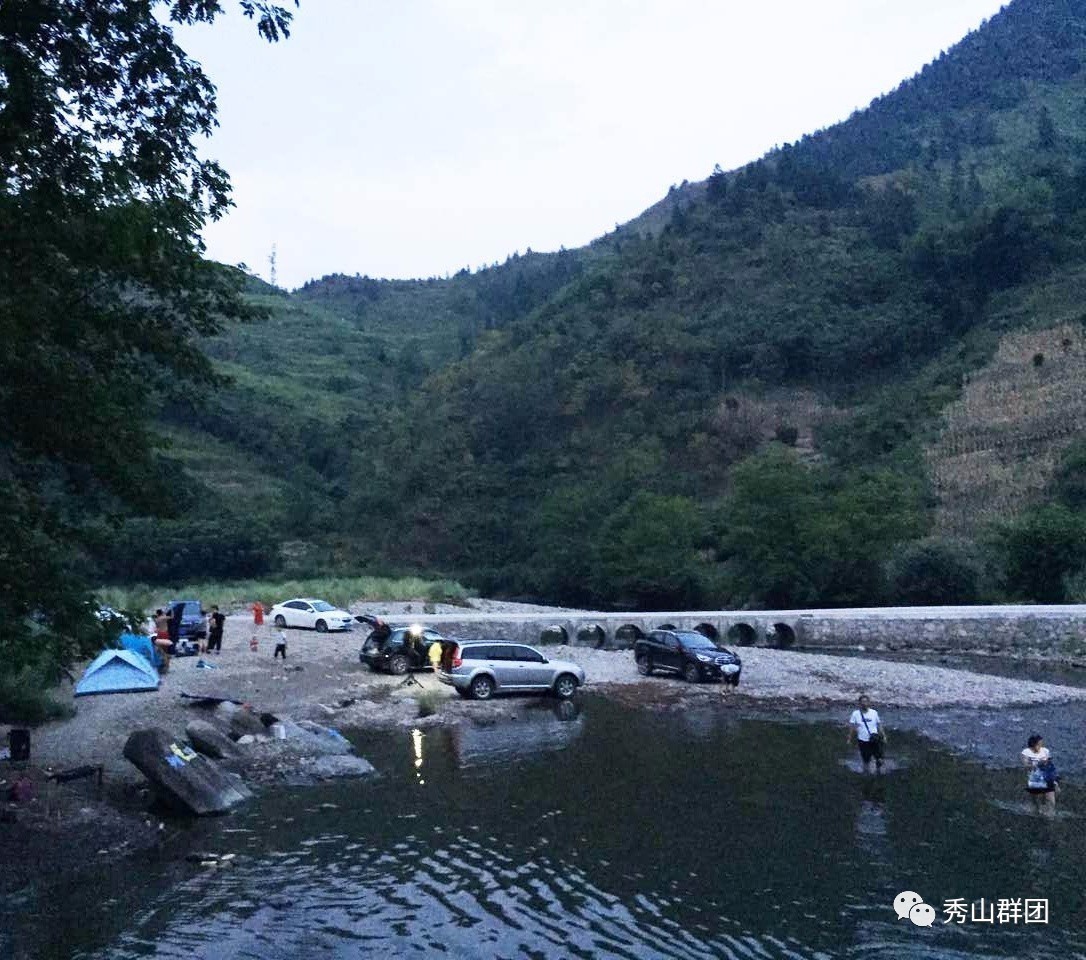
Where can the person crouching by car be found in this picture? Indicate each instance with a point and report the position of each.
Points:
(866, 725)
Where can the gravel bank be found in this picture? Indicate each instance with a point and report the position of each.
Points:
(323, 680)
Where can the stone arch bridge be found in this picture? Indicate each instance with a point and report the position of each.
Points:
(1048, 630)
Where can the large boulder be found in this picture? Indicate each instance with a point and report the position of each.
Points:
(308, 737)
(210, 740)
(240, 720)
(181, 777)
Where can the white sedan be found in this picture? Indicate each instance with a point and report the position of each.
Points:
(312, 614)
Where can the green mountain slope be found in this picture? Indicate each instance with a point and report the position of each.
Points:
(736, 398)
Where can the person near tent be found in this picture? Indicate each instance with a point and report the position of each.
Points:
(215, 623)
(162, 638)
(177, 612)
(258, 614)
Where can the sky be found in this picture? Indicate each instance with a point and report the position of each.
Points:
(412, 138)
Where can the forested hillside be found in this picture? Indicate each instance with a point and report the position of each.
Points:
(753, 394)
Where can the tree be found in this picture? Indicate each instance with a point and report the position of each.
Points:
(932, 572)
(648, 553)
(1046, 130)
(1040, 551)
(103, 289)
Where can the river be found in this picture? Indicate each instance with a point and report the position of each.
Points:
(604, 832)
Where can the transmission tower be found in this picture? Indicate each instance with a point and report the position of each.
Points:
(272, 274)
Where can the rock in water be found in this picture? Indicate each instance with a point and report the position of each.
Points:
(182, 778)
(326, 768)
(210, 740)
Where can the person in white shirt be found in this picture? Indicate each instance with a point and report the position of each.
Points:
(1041, 780)
(866, 725)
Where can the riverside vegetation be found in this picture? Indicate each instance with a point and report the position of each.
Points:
(738, 398)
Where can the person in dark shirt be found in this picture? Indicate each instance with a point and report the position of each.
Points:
(214, 631)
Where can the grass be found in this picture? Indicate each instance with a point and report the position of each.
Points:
(427, 702)
(235, 595)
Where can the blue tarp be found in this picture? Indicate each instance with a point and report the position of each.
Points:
(141, 644)
(117, 671)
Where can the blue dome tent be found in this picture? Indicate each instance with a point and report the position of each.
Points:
(117, 671)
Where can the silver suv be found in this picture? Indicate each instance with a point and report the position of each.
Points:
(480, 668)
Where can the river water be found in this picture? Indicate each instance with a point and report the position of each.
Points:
(603, 832)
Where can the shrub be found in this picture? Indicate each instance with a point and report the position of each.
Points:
(26, 697)
(933, 572)
(427, 701)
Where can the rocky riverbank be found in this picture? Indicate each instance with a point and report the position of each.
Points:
(323, 685)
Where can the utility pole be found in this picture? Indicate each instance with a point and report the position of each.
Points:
(273, 276)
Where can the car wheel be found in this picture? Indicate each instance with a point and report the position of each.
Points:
(735, 680)
(482, 688)
(644, 665)
(374, 667)
(565, 686)
(398, 665)
(321, 626)
(280, 621)
(692, 673)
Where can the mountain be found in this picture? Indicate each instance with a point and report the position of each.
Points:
(785, 384)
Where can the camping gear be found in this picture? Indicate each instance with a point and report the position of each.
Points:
(19, 745)
(117, 671)
(138, 643)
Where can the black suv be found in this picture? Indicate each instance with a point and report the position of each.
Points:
(398, 649)
(689, 653)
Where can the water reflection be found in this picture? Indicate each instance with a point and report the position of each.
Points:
(607, 833)
(535, 733)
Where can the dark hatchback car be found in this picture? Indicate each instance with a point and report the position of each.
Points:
(691, 654)
(398, 649)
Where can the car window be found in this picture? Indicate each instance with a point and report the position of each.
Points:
(192, 608)
(528, 655)
(670, 642)
(321, 607)
(295, 605)
(479, 652)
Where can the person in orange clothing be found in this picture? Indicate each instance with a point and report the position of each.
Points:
(258, 613)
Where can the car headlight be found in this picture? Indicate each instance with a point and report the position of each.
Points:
(703, 658)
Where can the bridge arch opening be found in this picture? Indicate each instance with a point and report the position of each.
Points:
(665, 626)
(708, 630)
(592, 635)
(742, 634)
(554, 634)
(627, 635)
(784, 635)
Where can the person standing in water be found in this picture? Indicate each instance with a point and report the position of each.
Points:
(866, 725)
(1042, 783)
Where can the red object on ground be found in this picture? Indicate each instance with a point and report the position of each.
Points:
(258, 614)
(253, 645)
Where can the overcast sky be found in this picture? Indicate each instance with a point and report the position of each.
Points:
(410, 138)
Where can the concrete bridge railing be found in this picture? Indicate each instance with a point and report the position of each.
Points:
(1040, 630)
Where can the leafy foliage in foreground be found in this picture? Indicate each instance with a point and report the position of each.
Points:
(104, 295)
